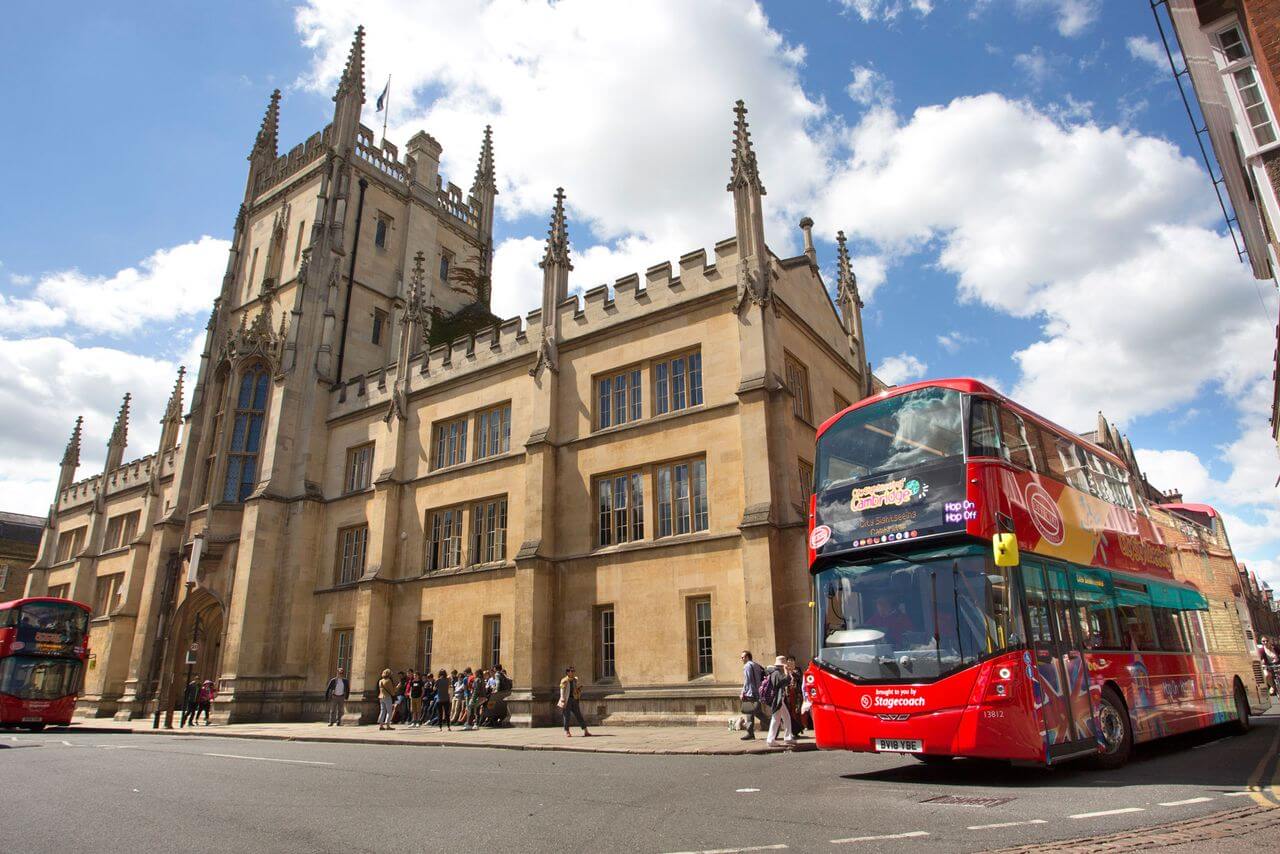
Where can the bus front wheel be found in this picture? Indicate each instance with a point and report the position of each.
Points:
(1117, 732)
(1241, 724)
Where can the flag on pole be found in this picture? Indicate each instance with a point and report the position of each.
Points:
(382, 99)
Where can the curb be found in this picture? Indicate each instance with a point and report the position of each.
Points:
(404, 742)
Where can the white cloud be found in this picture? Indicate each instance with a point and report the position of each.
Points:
(570, 94)
(869, 87)
(44, 384)
(1146, 50)
(1036, 65)
(169, 284)
(1072, 17)
(901, 368)
(955, 340)
(887, 10)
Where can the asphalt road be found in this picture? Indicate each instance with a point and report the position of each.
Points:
(132, 793)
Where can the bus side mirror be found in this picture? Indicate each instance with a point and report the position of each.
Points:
(1005, 547)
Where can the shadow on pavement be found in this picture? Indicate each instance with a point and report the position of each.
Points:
(1168, 761)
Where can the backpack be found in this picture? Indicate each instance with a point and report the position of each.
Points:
(504, 682)
(768, 691)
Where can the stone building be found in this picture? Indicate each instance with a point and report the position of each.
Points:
(19, 539)
(1230, 51)
(374, 471)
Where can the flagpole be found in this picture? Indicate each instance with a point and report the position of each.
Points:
(386, 112)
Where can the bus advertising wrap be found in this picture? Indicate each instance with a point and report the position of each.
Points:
(921, 502)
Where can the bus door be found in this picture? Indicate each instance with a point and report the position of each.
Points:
(1062, 677)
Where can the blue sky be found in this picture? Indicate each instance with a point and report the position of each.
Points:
(1017, 178)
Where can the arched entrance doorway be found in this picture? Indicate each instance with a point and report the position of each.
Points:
(196, 641)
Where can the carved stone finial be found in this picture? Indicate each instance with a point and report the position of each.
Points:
(267, 141)
(71, 456)
(846, 280)
(120, 432)
(173, 411)
(743, 169)
(353, 75)
(485, 180)
(557, 251)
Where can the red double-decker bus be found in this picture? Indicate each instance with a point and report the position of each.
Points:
(986, 584)
(43, 646)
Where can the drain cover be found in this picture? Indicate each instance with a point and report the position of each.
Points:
(961, 801)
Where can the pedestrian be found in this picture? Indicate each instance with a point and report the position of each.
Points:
(775, 697)
(428, 698)
(752, 676)
(386, 699)
(207, 693)
(335, 694)
(570, 697)
(479, 695)
(443, 686)
(415, 699)
(795, 696)
(460, 695)
(401, 704)
(190, 702)
(1270, 663)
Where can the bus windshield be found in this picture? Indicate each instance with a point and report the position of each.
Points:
(28, 678)
(922, 426)
(903, 620)
(66, 619)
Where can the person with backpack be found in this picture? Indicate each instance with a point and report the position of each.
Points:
(570, 697)
(773, 694)
(190, 702)
(752, 675)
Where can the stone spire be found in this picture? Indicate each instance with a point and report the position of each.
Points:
(267, 142)
(555, 266)
(416, 317)
(485, 181)
(850, 303)
(754, 275)
(352, 81)
(172, 419)
(71, 456)
(743, 169)
(119, 436)
(555, 262)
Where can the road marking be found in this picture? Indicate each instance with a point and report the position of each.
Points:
(746, 790)
(1007, 824)
(1236, 794)
(267, 759)
(777, 847)
(1256, 786)
(67, 743)
(1107, 812)
(913, 834)
(1184, 803)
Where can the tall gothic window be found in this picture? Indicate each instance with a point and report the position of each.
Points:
(246, 435)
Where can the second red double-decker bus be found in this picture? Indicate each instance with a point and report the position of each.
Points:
(986, 585)
(43, 647)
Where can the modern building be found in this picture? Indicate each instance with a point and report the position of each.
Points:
(377, 472)
(1231, 54)
(19, 539)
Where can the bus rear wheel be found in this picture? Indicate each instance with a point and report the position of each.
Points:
(1242, 723)
(1116, 731)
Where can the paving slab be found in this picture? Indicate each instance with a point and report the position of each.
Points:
(675, 740)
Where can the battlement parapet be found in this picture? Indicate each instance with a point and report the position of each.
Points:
(127, 476)
(290, 164)
(467, 354)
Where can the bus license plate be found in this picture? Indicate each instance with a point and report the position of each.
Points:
(34, 720)
(899, 745)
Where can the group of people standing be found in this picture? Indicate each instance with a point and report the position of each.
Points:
(471, 698)
(1270, 663)
(772, 696)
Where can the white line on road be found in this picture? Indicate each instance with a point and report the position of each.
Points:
(910, 835)
(1107, 812)
(267, 759)
(67, 743)
(1236, 794)
(1184, 803)
(778, 847)
(1007, 824)
(746, 790)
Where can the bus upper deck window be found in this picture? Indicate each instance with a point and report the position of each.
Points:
(984, 429)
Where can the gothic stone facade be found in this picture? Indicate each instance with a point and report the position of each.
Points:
(615, 482)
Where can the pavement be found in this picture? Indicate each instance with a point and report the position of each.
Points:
(1206, 793)
(705, 740)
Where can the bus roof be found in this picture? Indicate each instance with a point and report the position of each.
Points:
(968, 385)
(17, 603)
(1204, 509)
